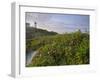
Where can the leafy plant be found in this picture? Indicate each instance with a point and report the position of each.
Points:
(60, 49)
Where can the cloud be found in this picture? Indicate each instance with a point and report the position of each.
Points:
(60, 23)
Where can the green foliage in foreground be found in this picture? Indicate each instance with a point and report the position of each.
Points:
(60, 49)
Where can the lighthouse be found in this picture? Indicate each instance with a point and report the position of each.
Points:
(35, 24)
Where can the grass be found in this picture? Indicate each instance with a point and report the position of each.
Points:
(60, 49)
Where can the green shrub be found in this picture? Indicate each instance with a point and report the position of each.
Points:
(61, 49)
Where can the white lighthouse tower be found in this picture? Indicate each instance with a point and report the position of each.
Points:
(35, 24)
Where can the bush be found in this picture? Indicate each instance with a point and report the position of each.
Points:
(61, 49)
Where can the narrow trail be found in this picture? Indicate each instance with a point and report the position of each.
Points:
(29, 57)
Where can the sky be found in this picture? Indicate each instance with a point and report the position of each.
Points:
(60, 23)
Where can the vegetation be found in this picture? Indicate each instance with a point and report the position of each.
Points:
(58, 49)
(32, 32)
